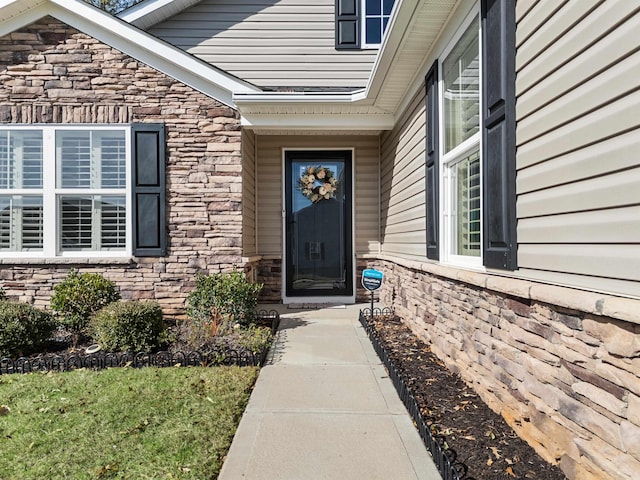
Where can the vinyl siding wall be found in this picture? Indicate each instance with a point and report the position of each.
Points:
(249, 245)
(578, 138)
(270, 184)
(271, 43)
(403, 183)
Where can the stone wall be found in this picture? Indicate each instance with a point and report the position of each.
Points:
(566, 381)
(51, 73)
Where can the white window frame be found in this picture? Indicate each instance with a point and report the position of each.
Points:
(50, 193)
(363, 25)
(460, 152)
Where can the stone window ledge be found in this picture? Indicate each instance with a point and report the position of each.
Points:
(67, 261)
(622, 308)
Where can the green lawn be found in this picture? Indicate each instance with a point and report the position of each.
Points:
(174, 423)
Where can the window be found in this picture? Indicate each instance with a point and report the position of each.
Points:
(376, 16)
(91, 189)
(460, 157)
(21, 226)
(94, 190)
(361, 23)
(63, 190)
(470, 144)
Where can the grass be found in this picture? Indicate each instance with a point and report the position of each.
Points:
(173, 423)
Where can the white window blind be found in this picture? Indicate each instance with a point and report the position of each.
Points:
(21, 223)
(91, 160)
(93, 222)
(20, 159)
(63, 189)
(466, 233)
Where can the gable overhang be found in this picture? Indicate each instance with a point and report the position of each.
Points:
(172, 61)
(412, 33)
(148, 13)
(414, 28)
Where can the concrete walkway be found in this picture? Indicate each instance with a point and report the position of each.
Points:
(324, 408)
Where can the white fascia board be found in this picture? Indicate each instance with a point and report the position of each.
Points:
(242, 98)
(293, 121)
(27, 16)
(139, 10)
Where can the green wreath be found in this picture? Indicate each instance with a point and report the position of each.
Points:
(318, 183)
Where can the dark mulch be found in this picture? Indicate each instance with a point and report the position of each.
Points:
(483, 441)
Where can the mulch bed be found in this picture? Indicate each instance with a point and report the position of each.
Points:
(483, 441)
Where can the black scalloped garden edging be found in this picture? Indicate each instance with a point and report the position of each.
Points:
(443, 457)
(102, 360)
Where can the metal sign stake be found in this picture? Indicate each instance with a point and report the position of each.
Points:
(371, 280)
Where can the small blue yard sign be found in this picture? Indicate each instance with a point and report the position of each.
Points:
(371, 279)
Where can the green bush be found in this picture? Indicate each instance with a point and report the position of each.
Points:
(129, 326)
(223, 294)
(80, 296)
(23, 328)
(255, 338)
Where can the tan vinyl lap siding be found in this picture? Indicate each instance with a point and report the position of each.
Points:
(272, 43)
(403, 184)
(270, 184)
(578, 136)
(249, 246)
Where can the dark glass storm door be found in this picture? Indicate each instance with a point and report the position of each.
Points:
(318, 237)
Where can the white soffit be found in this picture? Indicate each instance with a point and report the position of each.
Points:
(148, 13)
(413, 31)
(128, 39)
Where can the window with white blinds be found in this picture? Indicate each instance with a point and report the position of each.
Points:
(460, 156)
(466, 206)
(20, 223)
(63, 190)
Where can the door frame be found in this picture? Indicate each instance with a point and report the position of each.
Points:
(333, 299)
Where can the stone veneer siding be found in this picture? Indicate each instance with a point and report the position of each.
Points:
(51, 73)
(566, 380)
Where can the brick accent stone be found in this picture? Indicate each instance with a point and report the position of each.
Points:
(51, 73)
(566, 380)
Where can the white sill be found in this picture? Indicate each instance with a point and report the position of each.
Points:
(468, 263)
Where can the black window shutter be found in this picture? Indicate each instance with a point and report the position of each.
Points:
(432, 162)
(148, 189)
(347, 24)
(499, 134)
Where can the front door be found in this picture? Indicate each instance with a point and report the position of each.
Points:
(318, 237)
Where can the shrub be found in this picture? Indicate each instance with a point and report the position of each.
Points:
(225, 294)
(129, 326)
(80, 296)
(255, 338)
(3, 294)
(23, 328)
